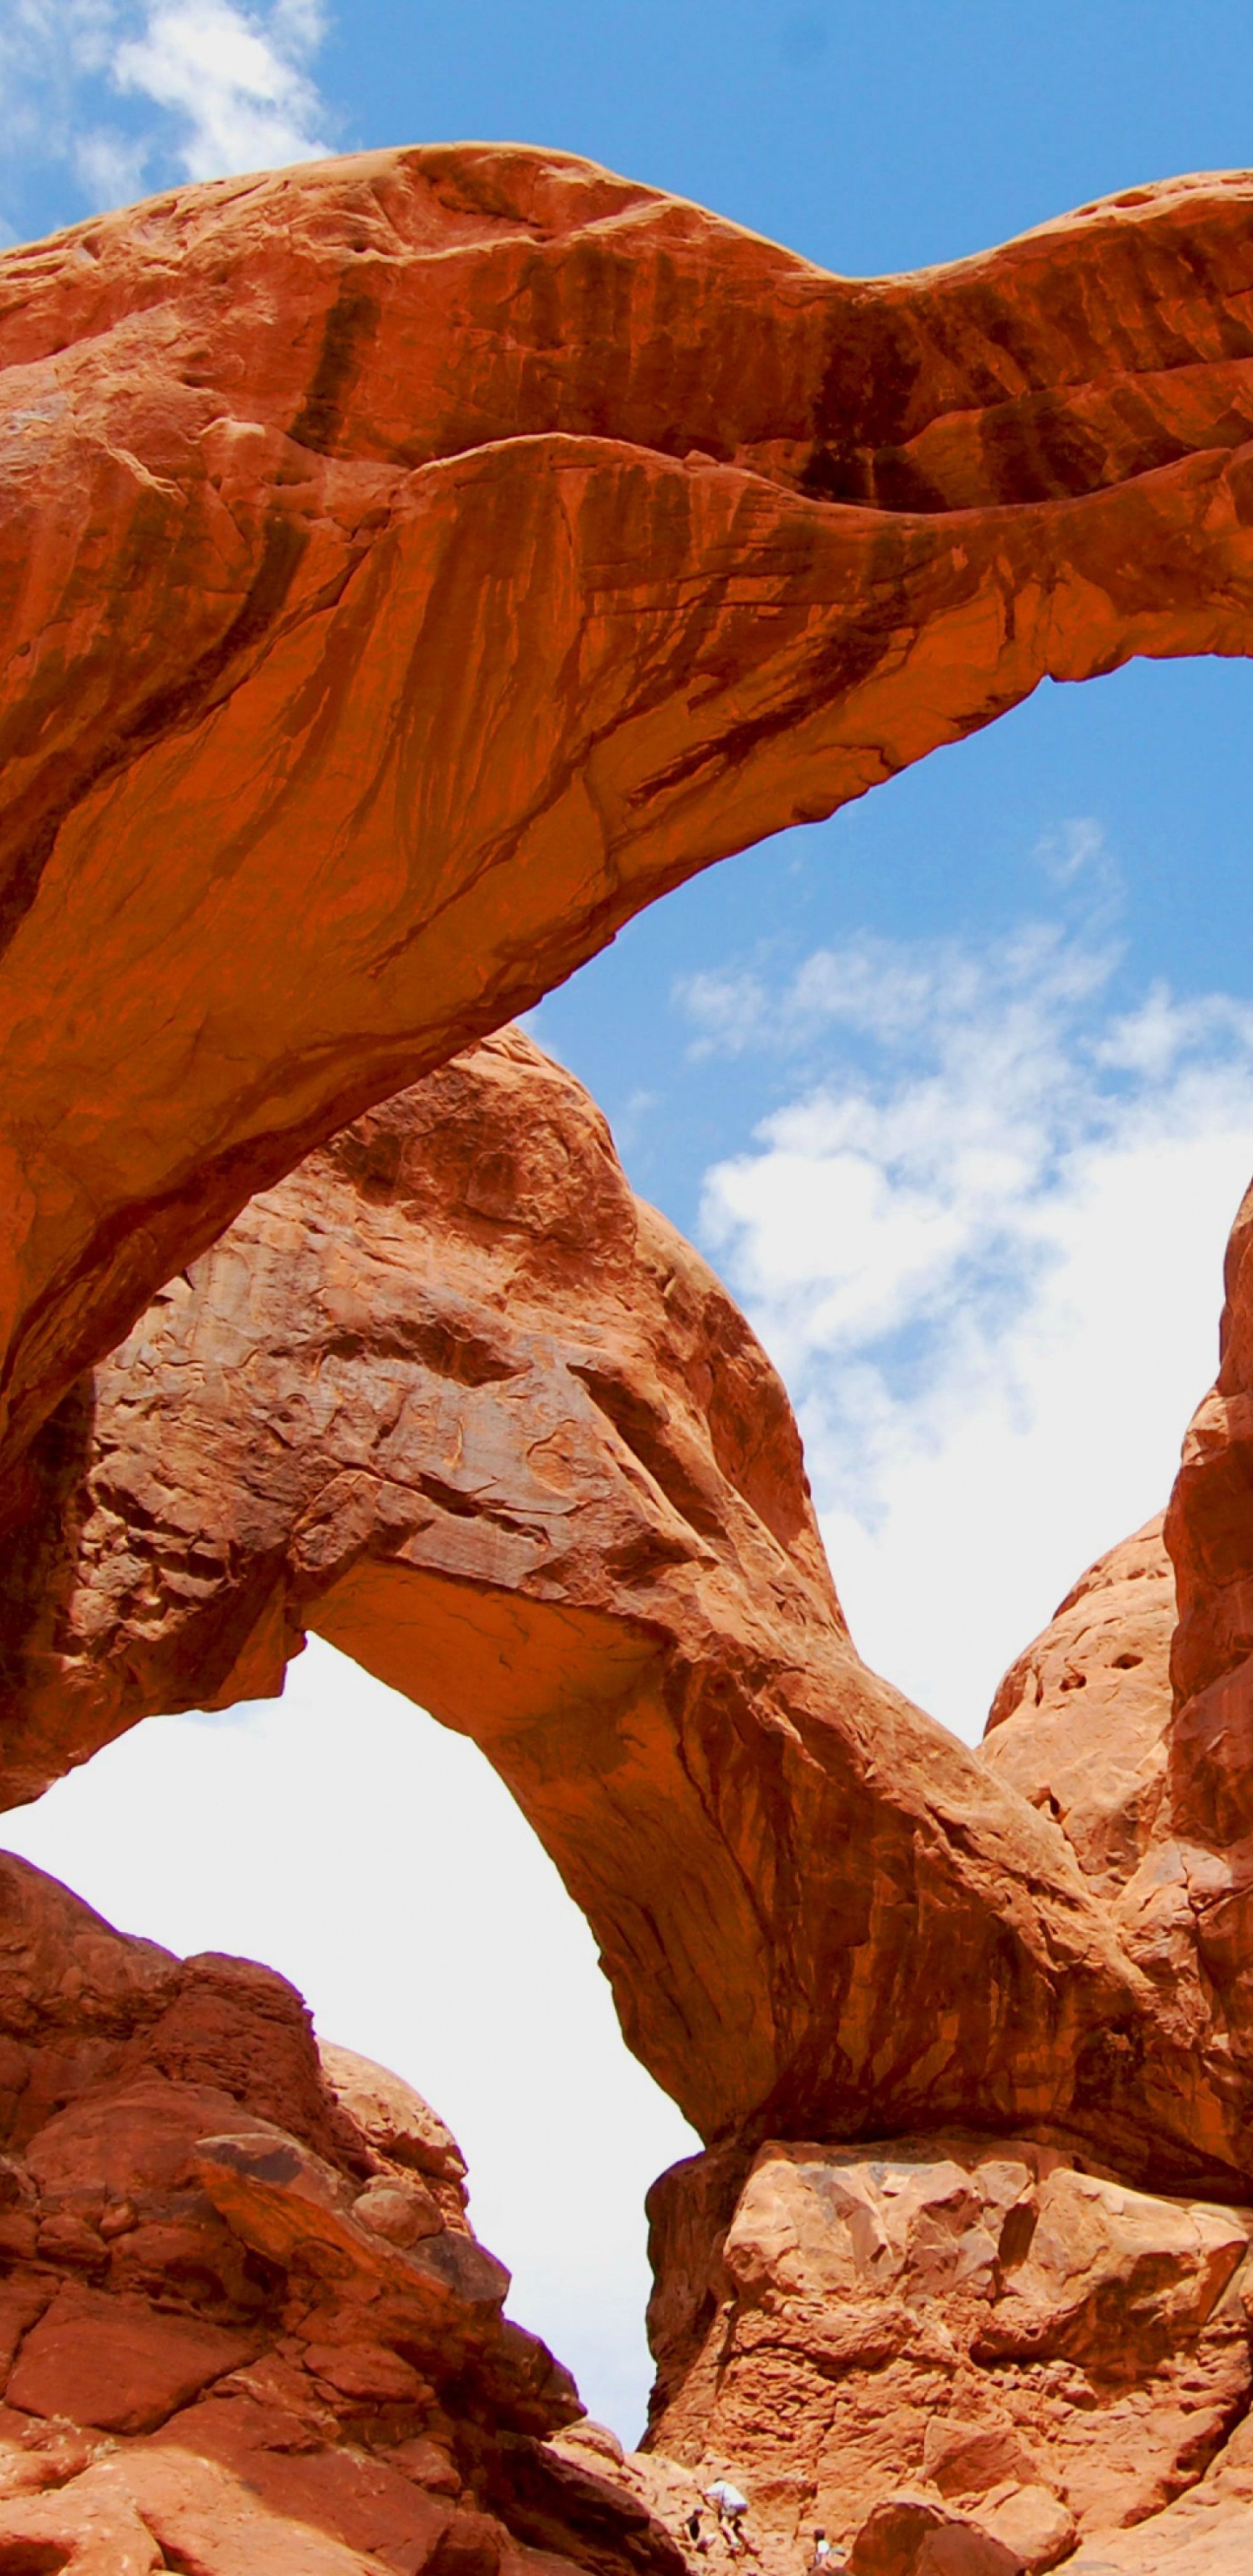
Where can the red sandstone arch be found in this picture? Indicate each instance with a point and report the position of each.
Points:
(420, 562)
(455, 1399)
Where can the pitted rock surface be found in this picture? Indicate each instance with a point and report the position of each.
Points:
(1033, 2350)
(1081, 1722)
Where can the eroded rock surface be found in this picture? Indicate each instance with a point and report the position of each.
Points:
(243, 2321)
(420, 562)
(1081, 1722)
(457, 1400)
(1209, 1529)
(1025, 2347)
(452, 1396)
(1086, 1726)
(361, 676)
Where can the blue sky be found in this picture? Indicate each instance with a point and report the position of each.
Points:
(957, 1090)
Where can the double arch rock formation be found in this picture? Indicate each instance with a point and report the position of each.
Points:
(420, 563)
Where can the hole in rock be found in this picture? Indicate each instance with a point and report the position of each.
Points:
(341, 1836)
(956, 1091)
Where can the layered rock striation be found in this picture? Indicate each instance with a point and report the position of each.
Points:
(417, 563)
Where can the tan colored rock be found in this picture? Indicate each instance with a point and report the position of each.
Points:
(910, 2536)
(276, 837)
(457, 1400)
(1080, 1723)
(398, 2123)
(1206, 2532)
(1034, 2525)
(1026, 2347)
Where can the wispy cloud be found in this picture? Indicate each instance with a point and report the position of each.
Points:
(235, 83)
(105, 99)
(985, 1246)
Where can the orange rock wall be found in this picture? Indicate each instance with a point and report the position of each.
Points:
(418, 563)
(1032, 2347)
(453, 1397)
(244, 2325)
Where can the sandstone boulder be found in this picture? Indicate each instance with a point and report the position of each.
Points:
(910, 2536)
(1025, 2347)
(212, 2353)
(1208, 2531)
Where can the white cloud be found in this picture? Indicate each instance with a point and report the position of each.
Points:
(121, 96)
(985, 1247)
(1078, 849)
(235, 82)
(111, 167)
(731, 1012)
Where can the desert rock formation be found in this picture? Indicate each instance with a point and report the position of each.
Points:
(243, 2321)
(1081, 1722)
(722, 541)
(451, 1396)
(455, 1398)
(1209, 1530)
(420, 563)
(1046, 2352)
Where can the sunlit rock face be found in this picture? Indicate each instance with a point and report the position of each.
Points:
(1037, 2350)
(417, 563)
(1082, 1725)
(243, 2320)
(1081, 1722)
(453, 1397)
(1209, 1528)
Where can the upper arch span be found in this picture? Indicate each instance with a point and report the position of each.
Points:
(420, 562)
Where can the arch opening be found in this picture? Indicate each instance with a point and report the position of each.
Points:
(377, 1861)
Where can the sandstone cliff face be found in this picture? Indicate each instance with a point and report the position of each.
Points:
(452, 1397)
(420, 562)
(1036, 2351)
(1209, 1530)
